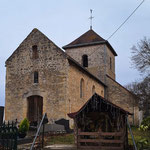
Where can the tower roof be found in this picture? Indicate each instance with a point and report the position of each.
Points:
(87, 39)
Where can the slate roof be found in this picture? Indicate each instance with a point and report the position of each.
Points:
(87, 39)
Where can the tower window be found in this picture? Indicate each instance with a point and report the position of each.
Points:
(36, 77)
(81, 88)
(110, 63)
(35, 52)
(85, 61)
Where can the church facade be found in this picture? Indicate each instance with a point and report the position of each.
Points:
(42, 78)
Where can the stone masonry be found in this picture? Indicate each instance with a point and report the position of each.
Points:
(115, 92)
(59, 80)
(99, 56)
(98, 59)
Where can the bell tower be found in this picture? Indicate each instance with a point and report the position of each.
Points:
(94, 53)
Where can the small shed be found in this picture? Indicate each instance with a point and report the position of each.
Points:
(100, 124)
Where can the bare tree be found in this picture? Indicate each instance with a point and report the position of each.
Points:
(142, 91)
(141, 55)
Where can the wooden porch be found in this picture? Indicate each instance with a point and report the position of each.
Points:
(101, 125)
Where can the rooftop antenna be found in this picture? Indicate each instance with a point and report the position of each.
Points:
(91, 17)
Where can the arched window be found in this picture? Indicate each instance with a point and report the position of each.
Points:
(35, 52)
(36, 77)
(81, 88)
(85, 61)
(93, 89)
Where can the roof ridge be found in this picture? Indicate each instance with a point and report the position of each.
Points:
(88, 37)
(73, 114)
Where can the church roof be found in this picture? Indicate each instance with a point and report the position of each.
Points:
(87, 39)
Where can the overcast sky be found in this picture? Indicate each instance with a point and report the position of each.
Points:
(62, 21)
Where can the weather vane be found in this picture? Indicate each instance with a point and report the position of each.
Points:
(91, 17)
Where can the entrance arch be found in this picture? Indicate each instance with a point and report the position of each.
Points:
(35, 109)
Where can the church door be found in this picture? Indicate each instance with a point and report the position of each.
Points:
(35, 109)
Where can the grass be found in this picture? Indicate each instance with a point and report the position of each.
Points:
(138, 135)
(60, 139)
(69, 138)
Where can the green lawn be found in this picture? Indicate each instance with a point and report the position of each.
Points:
(69, 138)
(60, 139)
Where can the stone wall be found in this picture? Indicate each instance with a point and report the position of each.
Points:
(120, 96)
(110, 71)
(98, 59)
(52, 67)
(59, 81)
(74, 78)
(74, 101)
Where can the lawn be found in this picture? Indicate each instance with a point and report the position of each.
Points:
(69, 138)
(60, 139)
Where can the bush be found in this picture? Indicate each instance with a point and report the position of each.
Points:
(145, 125)
(142, 143)
(24, 126)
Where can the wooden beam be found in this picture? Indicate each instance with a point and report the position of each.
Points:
(111, 141)
(89, 140)
(111, 133)
(88, 133)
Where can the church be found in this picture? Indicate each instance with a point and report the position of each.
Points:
(43, 78)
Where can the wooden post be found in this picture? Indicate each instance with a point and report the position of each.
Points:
(78, 137)
(126, 126)
(75, 131)
(99, 136)
(43, 136)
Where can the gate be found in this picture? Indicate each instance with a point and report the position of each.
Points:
(8, 136)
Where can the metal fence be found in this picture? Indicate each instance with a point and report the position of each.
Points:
(8, 136)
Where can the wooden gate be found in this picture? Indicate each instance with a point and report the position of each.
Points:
(101, 140)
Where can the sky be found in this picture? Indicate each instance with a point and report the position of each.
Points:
(63, 21)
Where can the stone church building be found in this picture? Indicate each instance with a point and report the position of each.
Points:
(41, 77)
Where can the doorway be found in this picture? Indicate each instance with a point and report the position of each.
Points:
(35, 109)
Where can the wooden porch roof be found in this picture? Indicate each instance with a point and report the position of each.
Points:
(99, 99)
